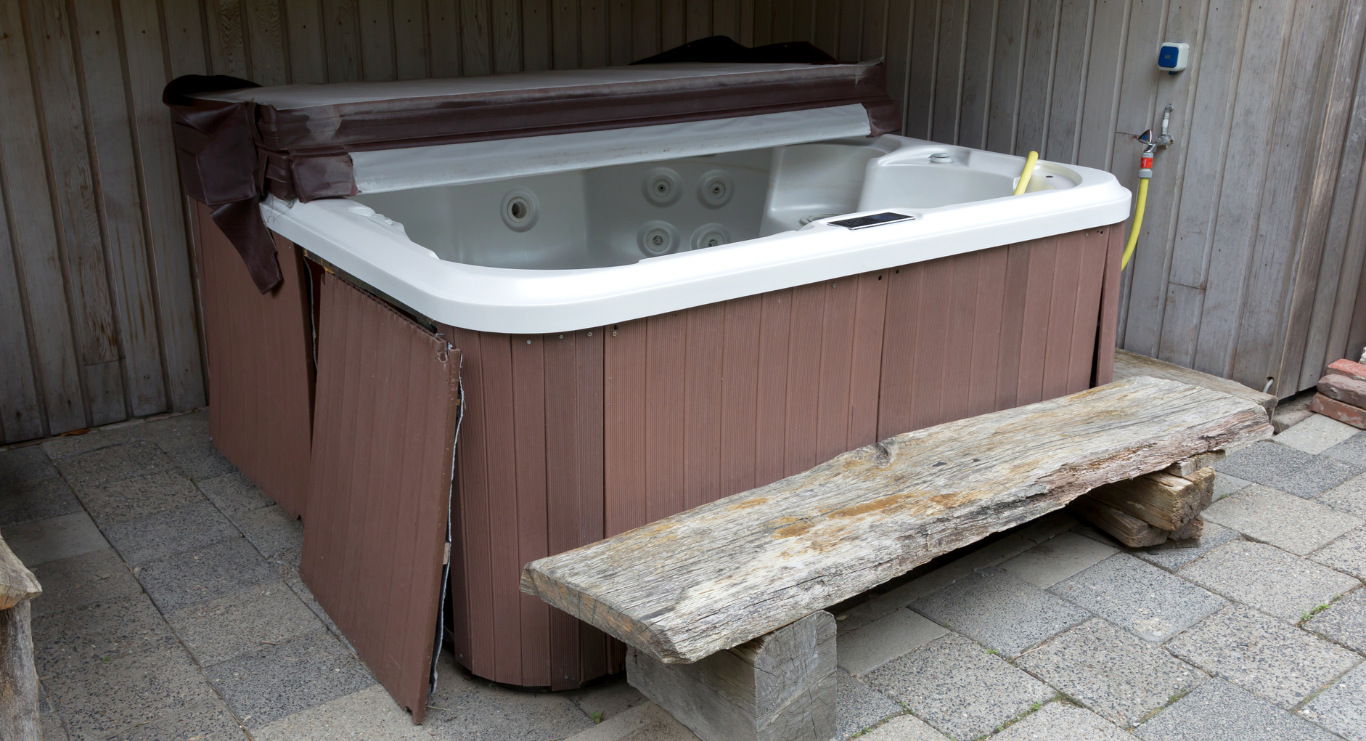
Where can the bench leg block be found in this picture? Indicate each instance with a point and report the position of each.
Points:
(778, 687)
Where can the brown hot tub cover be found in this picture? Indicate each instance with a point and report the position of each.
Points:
(236, 141)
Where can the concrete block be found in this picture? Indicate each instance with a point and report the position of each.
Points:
(276, 682)
(1057, 559)
(1351, 451)
(904, 728)
(35, 500)
(1344, 413)
(96, 439)
(201, 460)
(369, 714)
(30, 463)
(1139, 597)
(270, 530)
(234, 493)
(858, 707)
(1262, 655)
(1290, 523)
(644, 722)
(207, 721)
(1316, 434)
(1346, 554)
(956, 686)
(137, 497)
(1285, 468)
(74, 640)
(1224, 484)
(1000, 611)
(1063, 721)
(1349, 497)
(1219, 711)
(177, 431)
(464, 708)
(1268, 579)
(1343, 622)
(55, 538)
(165, 534)
(1173, 555)
(608, 697)
(889, 637)
(83, 580)
(115, 463)
(1119, 676)
(263, 615)
(208, 573)
(1342, 707)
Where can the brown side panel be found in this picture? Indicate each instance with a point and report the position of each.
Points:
(260, 389)
(374, 544)
(1109, 307)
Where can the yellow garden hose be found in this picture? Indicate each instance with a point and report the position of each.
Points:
(1138, 223)
(1028, 172)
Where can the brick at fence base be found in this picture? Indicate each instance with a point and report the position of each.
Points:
(1354, 416)
(1347, 368)
(1345, 389)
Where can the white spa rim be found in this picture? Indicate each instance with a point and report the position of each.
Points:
(353, 240)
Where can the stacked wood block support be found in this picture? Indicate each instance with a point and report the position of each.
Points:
(1342, 394)
(780, 686)
(1156, 507)
(18, 676)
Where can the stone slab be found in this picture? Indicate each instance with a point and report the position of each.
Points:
(644, 722)
(858, 707)
(54, 539)
(607, 697)
(1342, 707)
(29, 463)
(368, 714)
(35, 500)
(175, 531)
(74, 640)
(234, 493)
(263, 615)
(276, 682)
(1174, 555)
(1349, 496)
(956, 686)
(1346, 554)
(1344, 621)
(1316, 434)
(1268, 579)
(1063, 721)
(137, 497)
(465, 708)
(1262, 655)
(82, 580)
(1057, 559)
(1351, 451)
(904, 728)
(1225, 484)
(177, 431)
(65, 446)
(208, 573)
(999, 611)
(1285, 468)
(889, 637)
(200, 460)
(115, 463)
(207, 721)
(1110, 671)
(1219, 711)
(1288, 522)
(1139, 597)
(270, 530)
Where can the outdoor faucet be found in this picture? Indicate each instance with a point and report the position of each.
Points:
(1165, 139)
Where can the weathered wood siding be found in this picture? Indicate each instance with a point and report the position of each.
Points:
(572, 437)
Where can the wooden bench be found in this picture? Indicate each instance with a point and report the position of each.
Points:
(723, 606)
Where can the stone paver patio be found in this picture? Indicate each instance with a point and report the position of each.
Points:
(173, 609)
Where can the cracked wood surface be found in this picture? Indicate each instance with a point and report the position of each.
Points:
(718, 575)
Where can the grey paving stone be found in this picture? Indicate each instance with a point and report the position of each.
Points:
(168, 533)
(137, 497)
(645, 722)
(266, 614)
(25, 464)
(464, 708)
(1110, 671)
(275, 682)
(51, 726)
(857, 707)
(1316, 434)
(1349, 496)
(200, 460)
(96, 439)
(1268, 579)
(109, 697)
(1262, 655)
(904, 728)
(115, 463)
(1172, 556)
(27, 501)
(55, 538)
(1000, 611)
(271, 530)
(1225, 484)
(177, 431)
(208, 573)
(369, 714)
(1344, 621)
(608, 697)
(1282, 467)
(1288, 522)
(1063, 721)
(1056, 559)
(234, 493)
(1352, 450)
(73, 640)
(207, 721)
(1218, 711)
(1139, 597)
(959, 688)
(1346, 554)
(887, 638)
(1342, 707)
(82, 580)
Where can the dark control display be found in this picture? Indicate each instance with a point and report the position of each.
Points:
(863, 222)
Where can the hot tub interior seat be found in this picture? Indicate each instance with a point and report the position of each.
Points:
(618, 215)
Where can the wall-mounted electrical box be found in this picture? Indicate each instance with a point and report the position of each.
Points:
(1173, 57)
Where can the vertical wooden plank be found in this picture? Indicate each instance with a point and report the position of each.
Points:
(948, 83)
(342, 35)
(376, 39)
(1006, 74)
(740, 394)
(897, 48)
(803, 378)
(989, 317)
(960, 325)
(866, 370)
(501, 457)
(528, 405)
(507, 36)
(826, 25)
(873, 36)
(664, 410)
(20, 417)
(565, 26)
(1062, 315)
(1069, 70)
(535, 50)
(1036, 307)
(1347, 230)
(78, 218)
(833, 398)
(696, 19)
(899, 351)
(443, 37)
(593, 44)
(265, 39)
(804, 20)
(920, 92)
(775, 333)
(932, 340)
(411, 45)
(475, 511)
(1104, 66)
(1041, 37)
(624, 394)
(619, 32)
(1086, 319)
(563, 498)
(590, 366)
(673, 23)
(307, 55)
(704, 384)
(1109, 307)
(227, 38)
(725, 19)
(645, 28)
(850, 26)
(976, 95)
(476, 35)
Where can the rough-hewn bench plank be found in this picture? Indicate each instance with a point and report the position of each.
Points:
(722, 574)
